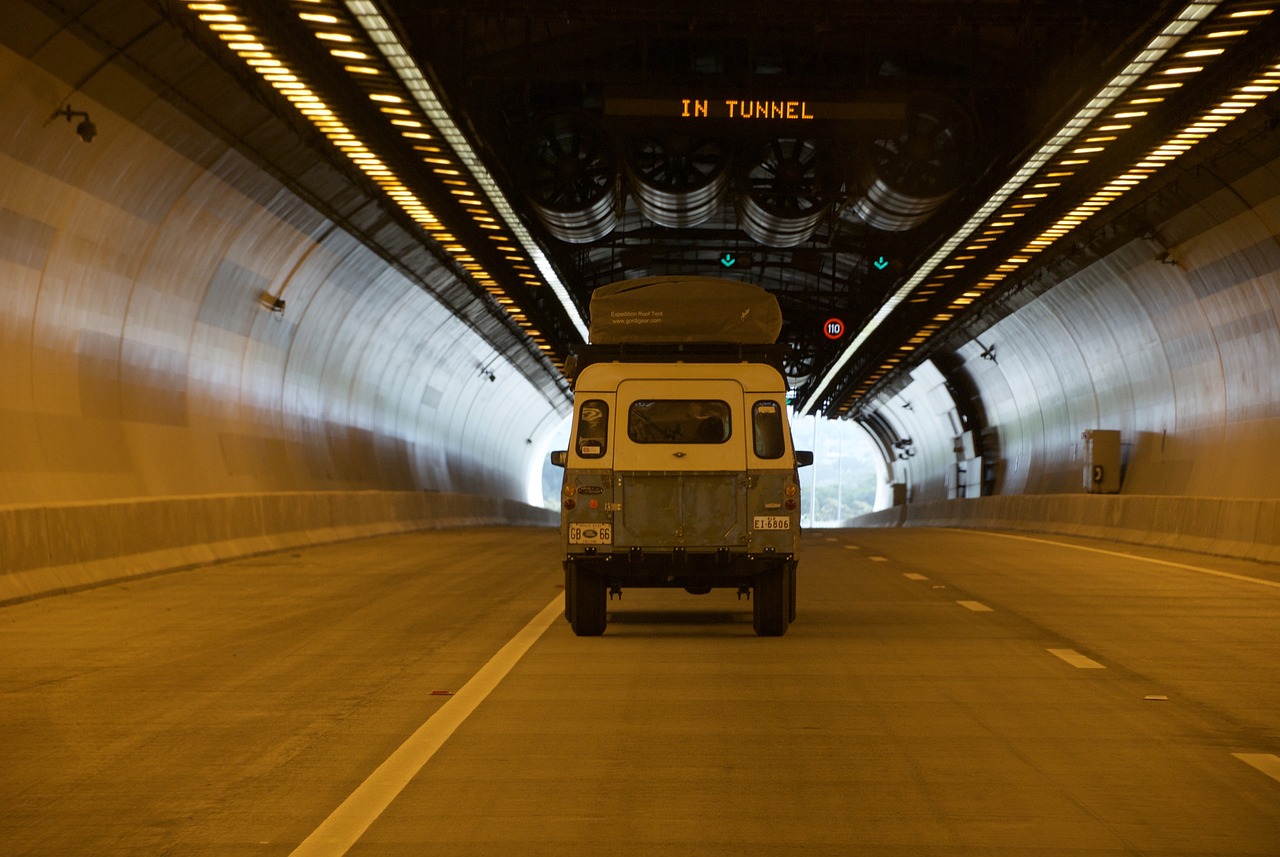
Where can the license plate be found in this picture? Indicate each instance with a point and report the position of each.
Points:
(591, 534)
(771, 522)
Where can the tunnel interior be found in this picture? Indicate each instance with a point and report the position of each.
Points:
(217, 342)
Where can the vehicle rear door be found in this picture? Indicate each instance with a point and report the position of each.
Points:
(680, 464)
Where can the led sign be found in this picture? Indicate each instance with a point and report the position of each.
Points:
(875, 111)
(732, 108)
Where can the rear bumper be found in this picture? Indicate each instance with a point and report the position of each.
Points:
(679, 568)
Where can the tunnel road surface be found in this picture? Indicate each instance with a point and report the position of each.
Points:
(941, 693)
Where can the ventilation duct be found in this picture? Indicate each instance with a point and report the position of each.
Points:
(780, 202)
(907, 177)
(572, 180)
(678, 181)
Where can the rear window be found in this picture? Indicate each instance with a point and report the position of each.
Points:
(593, 429)
(766, 430)
(678, 421)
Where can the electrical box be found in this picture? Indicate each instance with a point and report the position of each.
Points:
(1101, 461)
(899, 493)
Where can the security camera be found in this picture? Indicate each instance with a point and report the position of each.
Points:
(86, 129)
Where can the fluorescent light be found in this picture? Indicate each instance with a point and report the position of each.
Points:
(381, 34)
(1184, 22)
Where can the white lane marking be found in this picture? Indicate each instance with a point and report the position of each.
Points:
(911, 575)
(1078, 660)
(1268, 763)
(853, 547)
(1272, 583)
(878, 558)
(975, 606)
(344, 827)
(832, 539)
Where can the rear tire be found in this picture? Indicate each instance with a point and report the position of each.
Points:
(586, 600)
(771, 608)
(568, 592)
(791, 588)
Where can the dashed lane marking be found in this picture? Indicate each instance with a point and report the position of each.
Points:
(878, 558)
(853, 547)
(975, 606)
(344, 827)
(1268, 763)
(911, 575)
(1076, 659)
(1185, 567)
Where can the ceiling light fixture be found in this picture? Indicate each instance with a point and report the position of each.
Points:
(384, 37)
(1169, 36)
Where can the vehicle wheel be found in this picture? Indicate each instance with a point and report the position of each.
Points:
(791, 591)
(568, 592)
(770, 603)
(587, 606)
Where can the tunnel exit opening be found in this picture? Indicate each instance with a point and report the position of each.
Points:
(544, 477)
(847, 470)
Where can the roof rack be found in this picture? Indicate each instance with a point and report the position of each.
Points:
(674, 352)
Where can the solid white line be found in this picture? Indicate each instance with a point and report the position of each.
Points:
(344, 827)
(975, 606)
(1268, 763)
(1076, 659)
(1272, 583)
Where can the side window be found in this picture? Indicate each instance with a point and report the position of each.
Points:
(766, 428)
(593, 429)
(678, 421)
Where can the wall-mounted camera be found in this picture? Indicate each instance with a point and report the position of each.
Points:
(85, 129)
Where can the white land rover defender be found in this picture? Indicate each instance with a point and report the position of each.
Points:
(680, 471)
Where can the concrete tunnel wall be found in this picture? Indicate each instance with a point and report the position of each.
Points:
(155, 413)
(1181, 356)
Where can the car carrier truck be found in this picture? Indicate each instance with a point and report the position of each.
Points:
(680, 470)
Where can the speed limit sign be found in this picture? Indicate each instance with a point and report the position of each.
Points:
(834, 328)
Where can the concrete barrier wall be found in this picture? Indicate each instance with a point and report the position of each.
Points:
(1222, 526)
(50, 549)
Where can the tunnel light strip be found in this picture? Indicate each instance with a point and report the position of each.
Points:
(381, 34)
(1157, 48)
(234, 29)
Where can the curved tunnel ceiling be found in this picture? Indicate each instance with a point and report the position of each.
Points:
(909, 171)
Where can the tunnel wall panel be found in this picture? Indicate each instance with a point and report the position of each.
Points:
(1176, 349)
(143, 367)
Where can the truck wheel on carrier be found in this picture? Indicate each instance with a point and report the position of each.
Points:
(586, 599)
(771, 602)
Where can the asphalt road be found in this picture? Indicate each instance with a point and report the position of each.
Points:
(941, 693)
